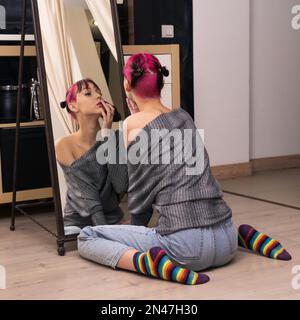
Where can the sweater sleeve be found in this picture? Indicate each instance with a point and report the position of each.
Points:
(142, 193)
(83, 197)
(118, 171)
(145, 178)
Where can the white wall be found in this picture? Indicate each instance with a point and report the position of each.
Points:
(275, 79)
(221, 64)
(243, 120)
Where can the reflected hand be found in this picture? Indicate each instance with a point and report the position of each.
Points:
(107, 113)
(132, 106)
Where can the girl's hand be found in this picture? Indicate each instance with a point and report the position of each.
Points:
(107, 113)
(126, 221)
(132, 106)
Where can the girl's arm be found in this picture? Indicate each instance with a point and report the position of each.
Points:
(84, 198)
(118, 172)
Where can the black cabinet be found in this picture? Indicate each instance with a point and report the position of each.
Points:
(33, 159)
(11, 13)
(9, 66)
(34, 180)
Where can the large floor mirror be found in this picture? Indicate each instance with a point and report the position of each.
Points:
(75, 39)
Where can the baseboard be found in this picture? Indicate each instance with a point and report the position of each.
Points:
(276, 163)
(232, 171)
(255, 165)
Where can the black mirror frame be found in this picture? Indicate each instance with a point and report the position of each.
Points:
(61, 237)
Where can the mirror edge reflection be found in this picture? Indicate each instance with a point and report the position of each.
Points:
(61, 236)
(48, 128)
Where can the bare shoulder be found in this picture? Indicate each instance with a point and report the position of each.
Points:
(139, 120)
(130, 125)
(134, 119)
(63, 150)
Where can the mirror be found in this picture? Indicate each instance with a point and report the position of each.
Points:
(80, 39)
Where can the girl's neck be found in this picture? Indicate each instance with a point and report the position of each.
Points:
(150, 105)
(87, 133)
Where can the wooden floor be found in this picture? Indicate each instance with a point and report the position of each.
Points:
(277, 186)
(35, 271)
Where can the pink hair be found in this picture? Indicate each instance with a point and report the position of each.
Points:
(76, 88)
(141, 71)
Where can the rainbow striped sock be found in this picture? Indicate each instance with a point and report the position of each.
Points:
(156, 263)
(252, 239)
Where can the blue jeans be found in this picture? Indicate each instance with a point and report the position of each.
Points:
(196, 249)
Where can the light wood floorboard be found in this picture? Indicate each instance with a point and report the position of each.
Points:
(35, 271)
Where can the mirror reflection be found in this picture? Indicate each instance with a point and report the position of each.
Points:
(86, 98)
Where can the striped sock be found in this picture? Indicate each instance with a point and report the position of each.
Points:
(156, 263)
(252, 239)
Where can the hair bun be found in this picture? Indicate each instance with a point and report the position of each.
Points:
(63, 104)
(136, 74)
(137, 70)
(165, 71)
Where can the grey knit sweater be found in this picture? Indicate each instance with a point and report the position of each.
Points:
(182, 201)
(94, 190)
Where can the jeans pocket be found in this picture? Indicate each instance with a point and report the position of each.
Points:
(186, 245)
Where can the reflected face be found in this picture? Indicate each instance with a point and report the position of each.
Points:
(88, 101)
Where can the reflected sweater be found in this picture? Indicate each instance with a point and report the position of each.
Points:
(94, 190)
(181, 200)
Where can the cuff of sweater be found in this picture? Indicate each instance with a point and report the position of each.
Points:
(97, 215)
(98, 219)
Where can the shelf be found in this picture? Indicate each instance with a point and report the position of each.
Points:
(14, 51)
(36, 123)
(26, 195)
(16, 37)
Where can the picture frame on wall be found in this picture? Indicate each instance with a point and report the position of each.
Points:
(170, 57)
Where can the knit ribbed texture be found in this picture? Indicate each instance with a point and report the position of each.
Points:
(251, 239)
(182, 201)
(155, 263)
(93, 190)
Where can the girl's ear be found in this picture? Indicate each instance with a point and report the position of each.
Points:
(72, 107)
(127, 86)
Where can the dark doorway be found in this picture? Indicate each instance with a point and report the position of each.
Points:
(141, 22)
